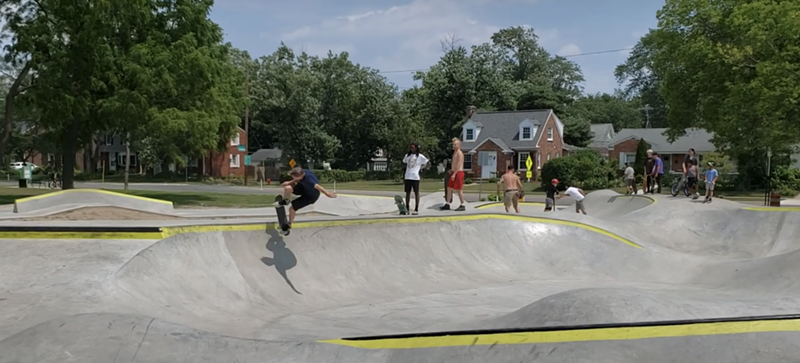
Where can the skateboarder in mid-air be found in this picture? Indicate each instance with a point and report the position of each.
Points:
(305, 185)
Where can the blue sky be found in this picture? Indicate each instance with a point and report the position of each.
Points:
(397, 35)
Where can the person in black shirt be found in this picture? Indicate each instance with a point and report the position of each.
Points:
(550, 195)
(690, 157)
(649, 166)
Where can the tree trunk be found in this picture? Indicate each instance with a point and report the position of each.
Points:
(127, 158)
(68, 149)
(13, 91)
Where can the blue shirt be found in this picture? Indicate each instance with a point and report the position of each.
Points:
(309, 181)
(711, 174)
(660, 166)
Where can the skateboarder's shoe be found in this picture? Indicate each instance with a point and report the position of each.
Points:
(414, 212)
(461, 208)
(445, 207)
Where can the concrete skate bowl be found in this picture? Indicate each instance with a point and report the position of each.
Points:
(602, 204)
(64, 200)
(254, 296)
(354, 205)
(721, 230)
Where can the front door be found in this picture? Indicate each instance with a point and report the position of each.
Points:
(488, 163)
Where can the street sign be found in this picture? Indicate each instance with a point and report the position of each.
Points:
(529, 162)
(242, 148)
(247, 160)
(292, 163)
(529, 174)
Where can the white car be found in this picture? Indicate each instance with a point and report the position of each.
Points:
(19, 164)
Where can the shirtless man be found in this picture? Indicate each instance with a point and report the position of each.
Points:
(512, 188)
(456, 177)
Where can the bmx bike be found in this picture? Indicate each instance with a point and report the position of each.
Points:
(54, 184)
(678, 184)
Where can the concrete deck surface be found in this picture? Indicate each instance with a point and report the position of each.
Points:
(260, 297)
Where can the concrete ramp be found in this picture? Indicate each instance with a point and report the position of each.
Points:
(71, 198)
(354, 205)
(341, 290)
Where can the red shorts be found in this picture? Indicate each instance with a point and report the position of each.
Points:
(458, 182)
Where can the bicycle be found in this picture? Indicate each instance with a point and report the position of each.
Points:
(678, 184)
(54, 183)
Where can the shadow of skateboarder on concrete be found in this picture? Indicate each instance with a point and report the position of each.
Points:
(283, 259)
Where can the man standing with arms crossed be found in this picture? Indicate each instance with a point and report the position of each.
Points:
(456, 177)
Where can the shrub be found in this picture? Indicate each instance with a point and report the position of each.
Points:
(641, 157)
(585, 169)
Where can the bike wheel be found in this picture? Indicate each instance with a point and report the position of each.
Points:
(687, 191)
(674, 190)
(51, 185)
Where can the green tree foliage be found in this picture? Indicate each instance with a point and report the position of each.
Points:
(586, 169)
(641, 157)
(147, 67)
(731, 68)
(643, 81)
(617, 109)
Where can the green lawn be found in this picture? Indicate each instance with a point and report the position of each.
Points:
(180, 199)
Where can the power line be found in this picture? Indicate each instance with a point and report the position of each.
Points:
(565, 56)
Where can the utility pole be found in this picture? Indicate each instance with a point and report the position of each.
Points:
(246, 121)
(647, 110)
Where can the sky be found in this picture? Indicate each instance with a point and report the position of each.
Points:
(401, 36)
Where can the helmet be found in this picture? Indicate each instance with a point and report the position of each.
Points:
(554, 181)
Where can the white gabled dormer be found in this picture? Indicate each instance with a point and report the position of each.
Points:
(470, 131)
(527, 130)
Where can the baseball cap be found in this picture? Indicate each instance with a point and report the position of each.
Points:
(554, 181)
(710, 163)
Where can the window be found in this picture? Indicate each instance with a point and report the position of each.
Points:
(234, 159)
(630, 158)
(549, 135)
(548, 156)
(235, 140)
(379, 166)
(467, 161)
(522, 158)
(193, 162)
(556, 154)
(469, 135)
(121, 159)
(109, 139)
(526, 133)
(538, 161)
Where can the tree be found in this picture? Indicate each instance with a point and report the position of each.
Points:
(641, 157)
(616, 109)
(147, 67)
(731, 68)
(643, 81)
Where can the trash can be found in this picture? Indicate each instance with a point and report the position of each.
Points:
(774, 199)
(23, 183)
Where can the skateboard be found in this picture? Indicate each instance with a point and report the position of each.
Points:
(281, 211)
(401, 205)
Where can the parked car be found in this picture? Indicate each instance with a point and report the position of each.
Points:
(19, 164)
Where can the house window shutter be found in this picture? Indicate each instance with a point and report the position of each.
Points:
(622, 157)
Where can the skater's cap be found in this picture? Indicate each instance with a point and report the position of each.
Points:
(554, 181)
(710, 163)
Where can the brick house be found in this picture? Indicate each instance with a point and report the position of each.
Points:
(215, 164)
(227, 163)
(623, 146)
(499, 139)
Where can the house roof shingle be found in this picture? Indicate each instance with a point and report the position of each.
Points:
(698, 139)
(600, 134)
(503, 128)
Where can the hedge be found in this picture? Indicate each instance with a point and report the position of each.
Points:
(585, 169)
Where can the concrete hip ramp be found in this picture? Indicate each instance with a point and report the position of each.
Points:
(76, 198)
(255, 296)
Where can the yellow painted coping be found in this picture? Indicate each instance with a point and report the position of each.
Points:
(773, 209)
(577, 335)
(101, 191)
(171, 231)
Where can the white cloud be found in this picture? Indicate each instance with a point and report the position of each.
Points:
(569, 49)
(406, 36)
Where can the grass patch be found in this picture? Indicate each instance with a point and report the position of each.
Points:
(179, 199)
